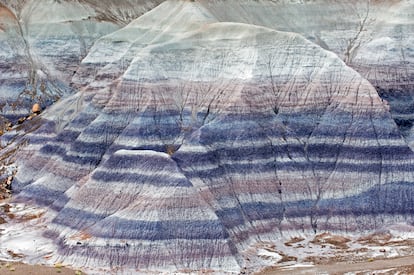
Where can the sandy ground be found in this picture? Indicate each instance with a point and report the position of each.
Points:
(404, 265)
(8, 268)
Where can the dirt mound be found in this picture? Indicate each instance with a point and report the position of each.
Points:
(330, 239)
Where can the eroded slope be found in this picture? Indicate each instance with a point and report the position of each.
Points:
(43, 42)
(190, 140)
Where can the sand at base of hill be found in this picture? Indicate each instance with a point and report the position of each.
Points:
(15, 268)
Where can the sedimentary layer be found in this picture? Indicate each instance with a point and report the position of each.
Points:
(189, 139)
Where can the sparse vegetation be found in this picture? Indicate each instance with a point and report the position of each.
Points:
(361, 33)
(120, 12)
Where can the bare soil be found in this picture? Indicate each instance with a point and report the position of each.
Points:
(14, 268)
(402, 265)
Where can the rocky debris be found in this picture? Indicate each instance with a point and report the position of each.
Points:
(15, 255)
(5, 125)
(379, 238)
(4, 212)
(323, 250)
(6, 187)
(36, 108)
(386, 239)
(287, 259)
(294, 240)
(330, 239)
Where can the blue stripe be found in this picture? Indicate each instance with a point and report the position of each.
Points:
(393, 198)
(67, 136)
(154, 162)
(54, 199)
(83, 120)
(114, 227)
(160, 230)
(76, 218)
(110, 176)
(59, 151)
(231, 217)
(40, 140)
(97, 148)
(245, 169)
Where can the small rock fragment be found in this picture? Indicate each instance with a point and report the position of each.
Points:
(21, 120)
(36, 109)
